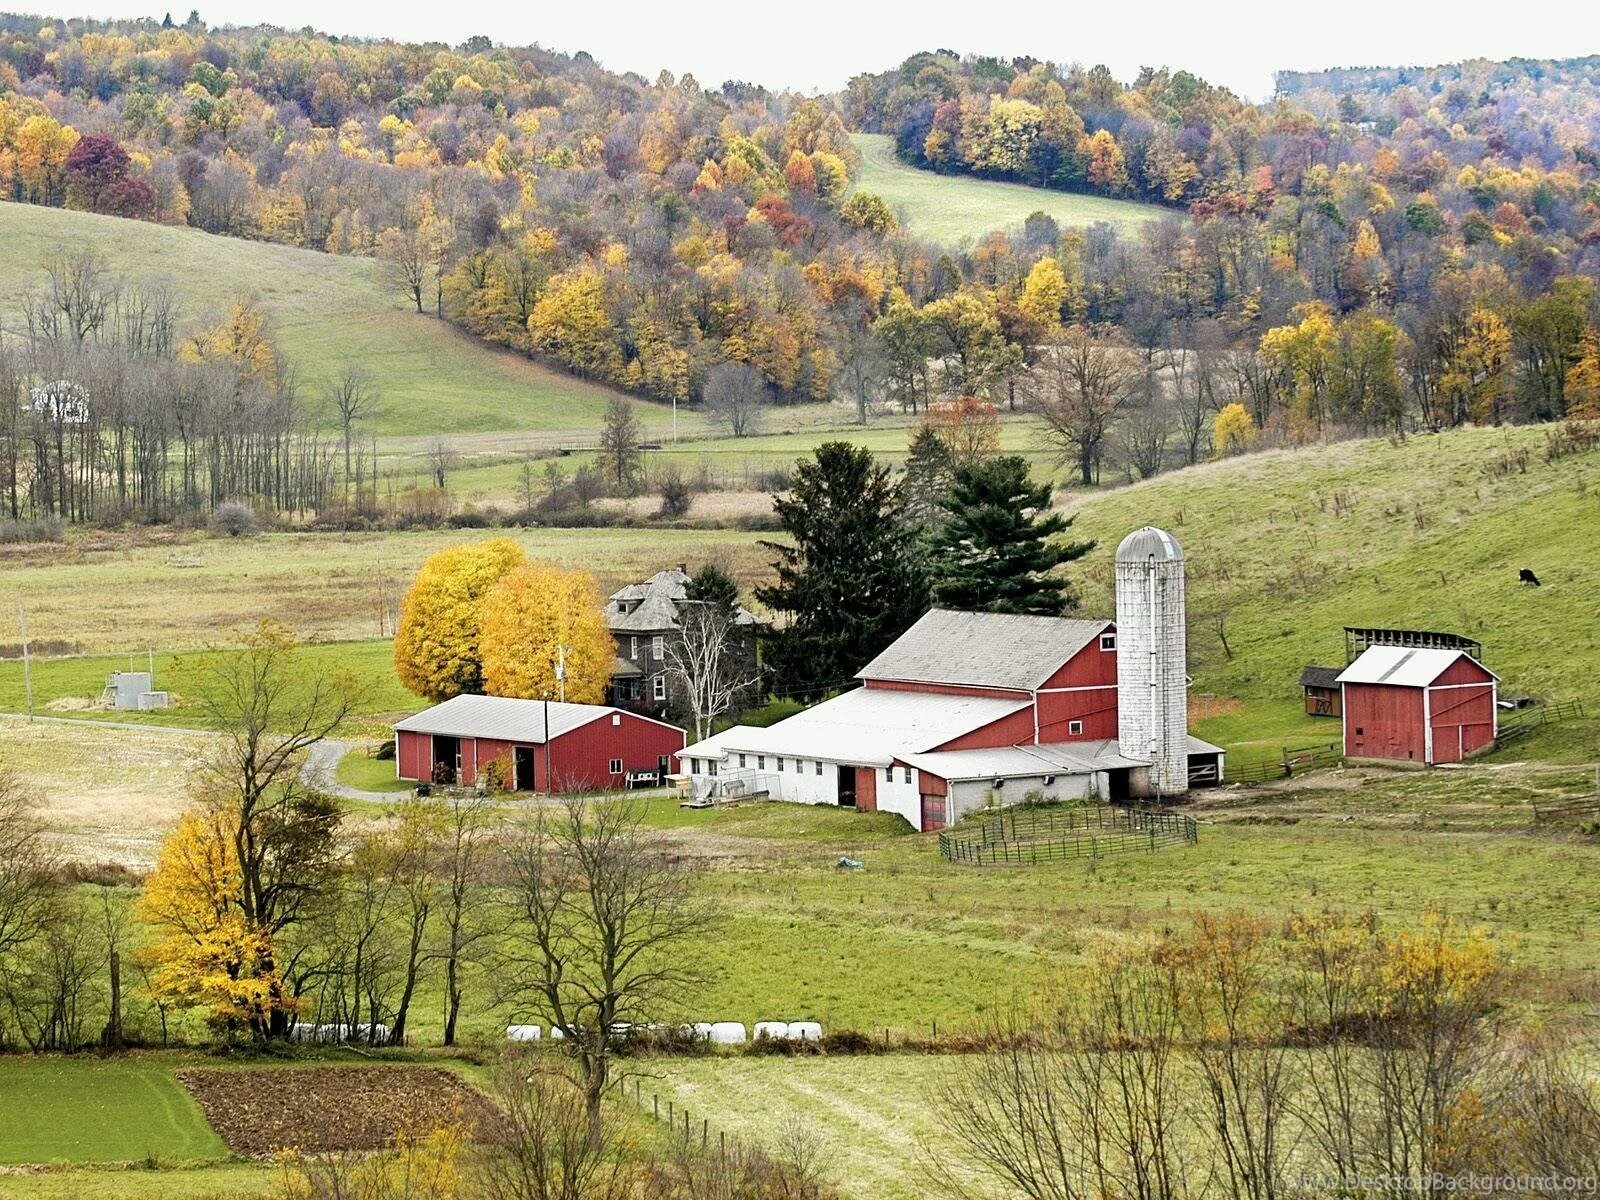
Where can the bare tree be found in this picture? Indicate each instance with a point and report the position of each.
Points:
(464, 820)
(26, 869)
(705, 659)
(1147, 429)
(550, 1146)
(599, 928)
(621, 460)
(79, 296)
(736, 394)
(270, 708)
(442, 458)
(1080, 386)
(354, 399)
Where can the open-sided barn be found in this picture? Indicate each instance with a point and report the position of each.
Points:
(1418, 705)
(542, 746)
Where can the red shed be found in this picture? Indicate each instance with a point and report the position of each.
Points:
(583, 748)
(1418, 705)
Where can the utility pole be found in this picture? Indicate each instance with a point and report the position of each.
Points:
(27, 661)
(561, 672)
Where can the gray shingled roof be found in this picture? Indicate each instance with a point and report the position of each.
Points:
(652, 606)
(1001, 650)
(1320, 677)
(502, 718)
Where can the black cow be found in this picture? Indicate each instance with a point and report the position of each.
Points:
(1528, 577)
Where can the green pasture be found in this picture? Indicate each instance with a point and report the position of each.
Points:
(326, 310)
(957, 208)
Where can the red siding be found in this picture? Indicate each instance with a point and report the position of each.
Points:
(1383, 721)
(1084, 689)
(949, 689)
(1014, 730)
(412, 752)
(582, 756)
(1461, 708)
(866, 789)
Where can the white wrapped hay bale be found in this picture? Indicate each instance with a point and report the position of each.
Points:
(776, 1031)
(700, 1031)
(805, 1031)
(557, 1034)
(522, 1033)
(727, 1033)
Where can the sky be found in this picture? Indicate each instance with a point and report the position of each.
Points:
(816, 45)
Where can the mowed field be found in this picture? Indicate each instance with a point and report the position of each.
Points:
(326, 311)
(956, 208)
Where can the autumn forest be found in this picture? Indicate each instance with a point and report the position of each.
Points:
(1370, 251)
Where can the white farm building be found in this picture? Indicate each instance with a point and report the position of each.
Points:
(967, 709)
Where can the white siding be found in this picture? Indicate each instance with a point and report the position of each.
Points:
(804, 786)
(970, 795)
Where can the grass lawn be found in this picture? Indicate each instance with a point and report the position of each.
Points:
(327, 310)
(359, 770)
(83, 1110)
(867, 1113)
(953, 208)
(230, 1181)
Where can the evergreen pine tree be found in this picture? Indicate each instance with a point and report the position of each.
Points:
(930, 469)
(854, 578)
(994, 551)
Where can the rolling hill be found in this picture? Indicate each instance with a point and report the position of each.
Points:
(1284, 548)
(326, 310)
(950, 208)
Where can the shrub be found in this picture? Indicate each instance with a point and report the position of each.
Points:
(45, 529)
(676, 496)
(233, 519)
(849, 1041)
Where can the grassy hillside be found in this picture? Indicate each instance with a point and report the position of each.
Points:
(1287, 547)
(948, 208)
(327, 311)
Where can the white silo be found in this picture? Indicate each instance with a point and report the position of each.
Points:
(1152, 657)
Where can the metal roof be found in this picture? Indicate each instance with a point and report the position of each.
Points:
(1149, 542)
(999, 650)
(867, 727)
(1404, 666)
(501, 718)
(1053, 758)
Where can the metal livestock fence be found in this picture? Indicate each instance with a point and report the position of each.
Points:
(1025, 836)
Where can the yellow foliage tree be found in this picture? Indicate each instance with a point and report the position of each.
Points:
(527, 616)
(242, 339)
(436, 645)
(1044, 292)
(1233, 431)
(207, 954)
(1583, 380)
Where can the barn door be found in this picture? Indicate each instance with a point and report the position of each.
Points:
(933, 813)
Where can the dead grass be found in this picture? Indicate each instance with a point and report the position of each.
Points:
(110, 793)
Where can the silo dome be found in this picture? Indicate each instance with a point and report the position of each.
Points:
(1148, 542)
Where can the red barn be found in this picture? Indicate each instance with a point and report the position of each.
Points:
(583, 748)
(1404, 704)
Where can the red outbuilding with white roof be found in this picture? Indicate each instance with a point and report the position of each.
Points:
(542, 746)
(1425, 706)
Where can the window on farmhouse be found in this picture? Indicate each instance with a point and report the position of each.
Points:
(633, 647)
(658, 647)
(660, 687)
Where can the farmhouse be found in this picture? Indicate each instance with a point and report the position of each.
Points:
(969, 709)
(1418, 705)
(645, 618)
(540, 746)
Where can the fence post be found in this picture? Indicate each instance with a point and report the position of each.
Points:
(655, 1101)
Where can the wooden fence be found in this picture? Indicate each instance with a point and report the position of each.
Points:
(1026, 836)
(1294, 760)
(1523, 721)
